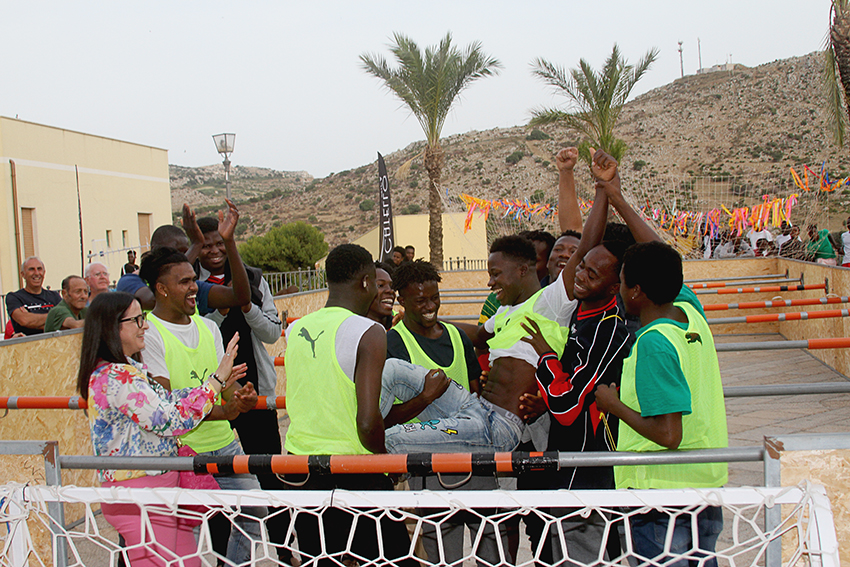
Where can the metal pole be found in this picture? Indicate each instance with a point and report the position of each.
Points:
(55, 510)
(227, 175)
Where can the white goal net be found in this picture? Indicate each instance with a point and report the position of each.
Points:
(417, 527)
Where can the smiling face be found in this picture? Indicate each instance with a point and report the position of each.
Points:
(382, 306)
(77, 294)
(132, 337)
(33, 274)
(398, 257)
(563, 250)
(98, 278)
(506, 275)
(421, 302)
(596, 276)
(213, 254)
(177, 290)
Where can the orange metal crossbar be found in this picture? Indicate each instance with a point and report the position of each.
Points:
(76, 402)
(762, 289)
(775, 303)
(774, 317)
(278, 361)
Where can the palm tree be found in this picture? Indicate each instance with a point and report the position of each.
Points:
(428, 83)
(595, 98)
(837, 68)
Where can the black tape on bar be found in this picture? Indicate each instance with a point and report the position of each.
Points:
(259, 464)
(526, 462)
(483, 464)
(319, 464)
(419, 463)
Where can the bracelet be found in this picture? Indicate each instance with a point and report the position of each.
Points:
(221, 382)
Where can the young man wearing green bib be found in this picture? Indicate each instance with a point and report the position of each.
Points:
(185, 349)
(334, 360)
(671, 395)
(424, 341)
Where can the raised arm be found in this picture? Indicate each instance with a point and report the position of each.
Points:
(604, 168)
(240, 293)
(640, 229)
(371, 354)
(569, 215)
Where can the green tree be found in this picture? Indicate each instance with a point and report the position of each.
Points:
(595, 98)
(429, 83)
(837, 68)
(291, 246)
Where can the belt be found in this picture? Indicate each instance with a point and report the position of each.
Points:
(509, 415)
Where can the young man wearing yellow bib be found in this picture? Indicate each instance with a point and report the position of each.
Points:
(671, 395)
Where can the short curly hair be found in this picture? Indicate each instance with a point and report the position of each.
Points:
(516, 247)
(158, 261)
(346, 261)
(418, 271)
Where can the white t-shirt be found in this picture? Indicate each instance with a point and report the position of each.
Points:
(348, 341)
(754, 237)
(553, 304)
(782, 239)
(153, 355)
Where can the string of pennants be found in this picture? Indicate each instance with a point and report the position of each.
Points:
(770, 212)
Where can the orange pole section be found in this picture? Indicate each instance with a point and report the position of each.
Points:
(840, 342)
(42, 402)
(769, 288)
(770, 317)
(278, 361)
(359, 465)
(775, 303)
(75, 402)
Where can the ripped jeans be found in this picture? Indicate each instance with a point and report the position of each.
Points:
(456, 422)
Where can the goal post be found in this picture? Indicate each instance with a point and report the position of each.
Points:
(806, 519)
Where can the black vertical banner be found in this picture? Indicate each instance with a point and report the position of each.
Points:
(387, 238)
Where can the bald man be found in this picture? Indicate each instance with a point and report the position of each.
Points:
(97, 276)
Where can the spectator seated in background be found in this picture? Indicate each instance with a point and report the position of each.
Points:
(28, 307)
(793, 247)
(409, 252)
(765, 248)
(97, 276)
(398, 256)
(733, 247)
(819, 249)
(71, 311)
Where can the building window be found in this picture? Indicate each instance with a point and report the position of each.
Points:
(123, 239)
(109, 239)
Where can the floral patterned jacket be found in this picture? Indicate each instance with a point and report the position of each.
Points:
(132, 416)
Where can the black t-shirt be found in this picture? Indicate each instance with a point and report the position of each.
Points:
(36, 304)
(599, 342)
(439, 350)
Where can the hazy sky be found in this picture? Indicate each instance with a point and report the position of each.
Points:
(286, 78)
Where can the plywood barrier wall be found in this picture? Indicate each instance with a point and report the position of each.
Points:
(839, 284)
(832, 470)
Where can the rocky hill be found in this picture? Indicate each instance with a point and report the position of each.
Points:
(729, 127)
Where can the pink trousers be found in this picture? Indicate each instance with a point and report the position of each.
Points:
(173, 537)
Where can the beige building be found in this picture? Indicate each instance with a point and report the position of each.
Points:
(72, 198)
(413, 230)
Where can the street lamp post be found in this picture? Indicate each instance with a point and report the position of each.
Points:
(224, 145)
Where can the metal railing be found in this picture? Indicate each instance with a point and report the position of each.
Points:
(461, 264)
(304, 280)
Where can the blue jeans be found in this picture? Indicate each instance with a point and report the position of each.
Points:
(649, 532)
(456, 422)
(248, 529)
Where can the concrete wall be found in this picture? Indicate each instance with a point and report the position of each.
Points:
(116, 181)
(413, 229)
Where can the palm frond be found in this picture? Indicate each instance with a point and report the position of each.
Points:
(835, 107)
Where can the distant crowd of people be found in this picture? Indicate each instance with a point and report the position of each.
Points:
(822, 246)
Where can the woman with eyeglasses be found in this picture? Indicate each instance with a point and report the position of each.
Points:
(133, 416)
